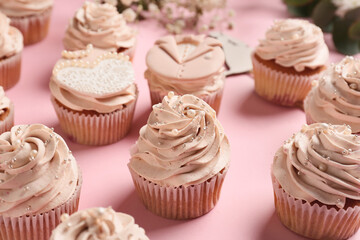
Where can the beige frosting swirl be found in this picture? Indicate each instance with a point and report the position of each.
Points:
(336, 98)
(118, 73)
(11, 39)
(20, 8)
(37, 171)
(321, 162)
(100, 25)
(97, 224)
(294, 43)
(4, 102)
(182, 144)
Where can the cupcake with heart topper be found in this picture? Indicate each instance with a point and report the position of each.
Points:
(94, 95)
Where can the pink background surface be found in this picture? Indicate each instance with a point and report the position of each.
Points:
(255, 128)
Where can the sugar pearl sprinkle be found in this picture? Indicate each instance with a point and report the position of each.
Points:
(64, 217)
(77, 54)
(191, 113)
(171, 94)
(109, 74)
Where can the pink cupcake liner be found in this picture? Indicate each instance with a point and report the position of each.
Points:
(313, 221)
(279, 87)
(214, 100)
(8, 122)
(10, 69)
(39, 226)
(181, 202)
(34, 28)
(98, 129)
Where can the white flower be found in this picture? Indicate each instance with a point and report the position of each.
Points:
(129, 15)
(343, 6)
(153, 8)
(127, 2)
(208, 5)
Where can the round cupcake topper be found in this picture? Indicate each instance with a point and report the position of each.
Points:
(110, 74)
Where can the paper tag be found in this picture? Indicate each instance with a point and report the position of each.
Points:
(237, 54)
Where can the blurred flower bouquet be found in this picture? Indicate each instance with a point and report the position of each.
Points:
(178, 15)
(340, 17)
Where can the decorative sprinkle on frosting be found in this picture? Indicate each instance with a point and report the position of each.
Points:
(37, 171)
(77, 53)
(336, 98)
(321, 162)
(182, 144)
(100, 224)
(294, 43)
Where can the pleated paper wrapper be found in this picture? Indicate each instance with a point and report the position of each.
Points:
(181, 202)
(214, 100)
(313, 221)
(8, 122)
(35, 27)
(39, 226)
(279, 87)
(10, 68)
(98, 129)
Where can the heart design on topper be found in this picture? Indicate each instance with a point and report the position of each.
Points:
(108, 75)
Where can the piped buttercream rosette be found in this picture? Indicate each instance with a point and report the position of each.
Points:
(335, 99)
(101, 25)
(321, 163)
(182, 144)
(294, 43)
(37, 171)
(181, 151)
(98, 223)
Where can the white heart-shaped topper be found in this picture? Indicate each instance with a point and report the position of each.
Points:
(106, 78)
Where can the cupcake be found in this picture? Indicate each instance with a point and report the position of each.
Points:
(102, 26)
(316, 182)
(94, 100)
(181, 158)
(186, 64)
(292, 55)
(336, 97)
(11, 46)
(39, 181)
(31, 17)
(98, 223)
(6, 112)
